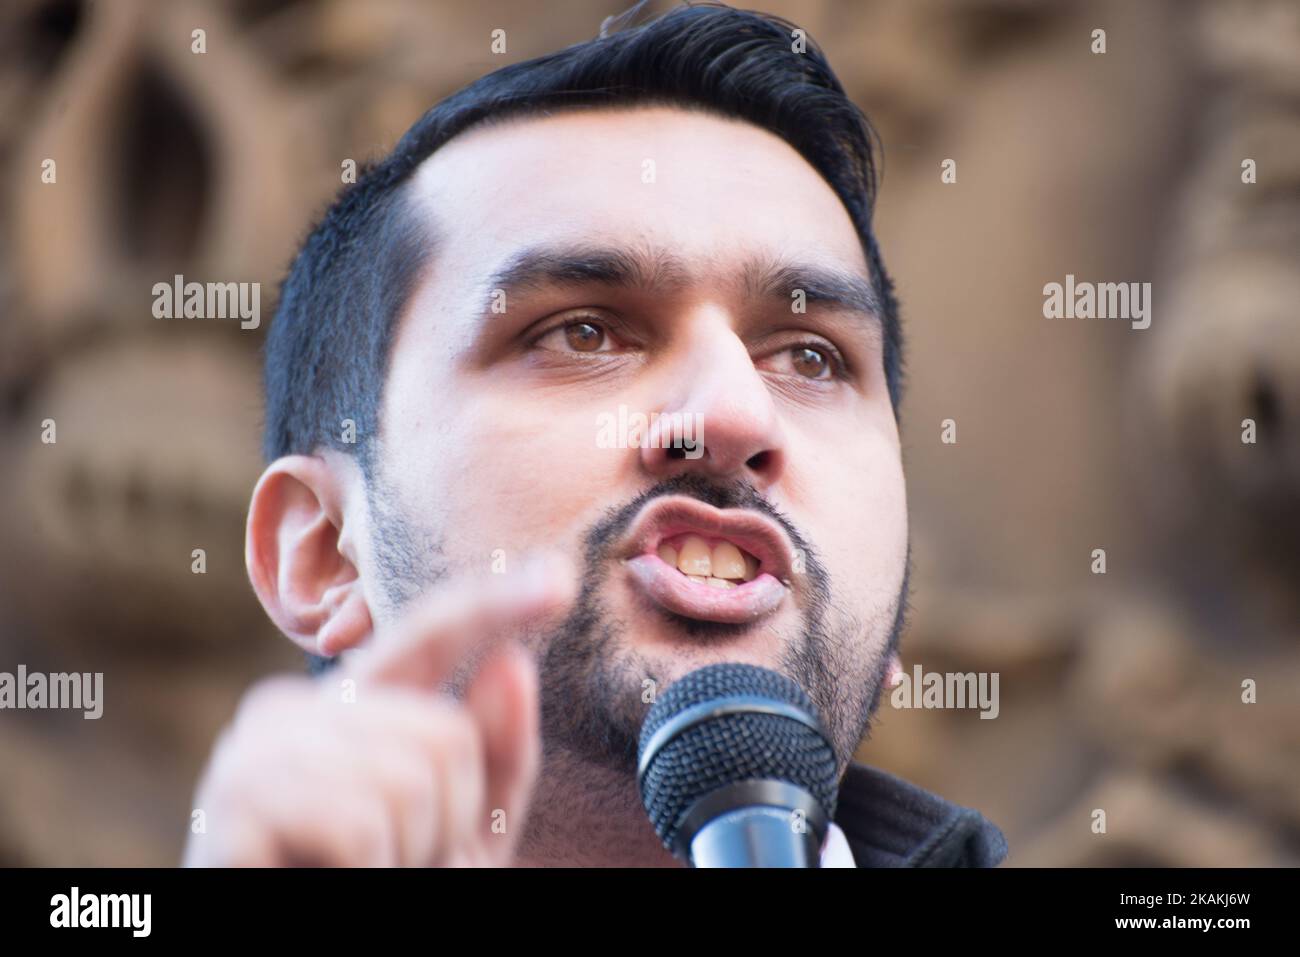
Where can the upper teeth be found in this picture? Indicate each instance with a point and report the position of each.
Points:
(720, 566)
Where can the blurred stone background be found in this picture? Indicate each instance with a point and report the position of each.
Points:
(1120, 691)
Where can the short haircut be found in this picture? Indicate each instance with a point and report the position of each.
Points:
(327, 352)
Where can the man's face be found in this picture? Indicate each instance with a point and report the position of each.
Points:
(596, 266)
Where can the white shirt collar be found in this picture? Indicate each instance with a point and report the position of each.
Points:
(836, 851)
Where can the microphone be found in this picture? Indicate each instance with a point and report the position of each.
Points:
(736, 771)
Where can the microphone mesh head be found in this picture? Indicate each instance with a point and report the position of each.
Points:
(732, 747)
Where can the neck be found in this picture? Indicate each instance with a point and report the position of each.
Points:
(587, 816)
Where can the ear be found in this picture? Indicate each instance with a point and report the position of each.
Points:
(300, 558)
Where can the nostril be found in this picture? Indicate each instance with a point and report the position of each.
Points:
(681, 448)
(759, 462)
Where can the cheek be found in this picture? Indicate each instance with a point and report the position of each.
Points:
(857, 508)
(518, 477)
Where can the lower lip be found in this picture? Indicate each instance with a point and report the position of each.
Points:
(673, 591)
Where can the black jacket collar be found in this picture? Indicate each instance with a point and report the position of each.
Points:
(892, 823)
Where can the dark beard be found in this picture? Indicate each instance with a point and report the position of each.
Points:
(592, 683)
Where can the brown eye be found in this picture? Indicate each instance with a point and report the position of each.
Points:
(587, 336)
(810, 362)
(584, 337)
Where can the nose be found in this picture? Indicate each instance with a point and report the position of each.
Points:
(716, 416)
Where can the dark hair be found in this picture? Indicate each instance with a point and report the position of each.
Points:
(327, 349)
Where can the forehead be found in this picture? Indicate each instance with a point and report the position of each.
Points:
(709, 188)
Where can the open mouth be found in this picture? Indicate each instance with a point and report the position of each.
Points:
(697, 561)
(717, 563)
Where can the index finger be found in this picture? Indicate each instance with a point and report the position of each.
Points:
(441, 628)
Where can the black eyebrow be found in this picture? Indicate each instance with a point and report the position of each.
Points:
(819, 284)
(658, 271)
(542, 266)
